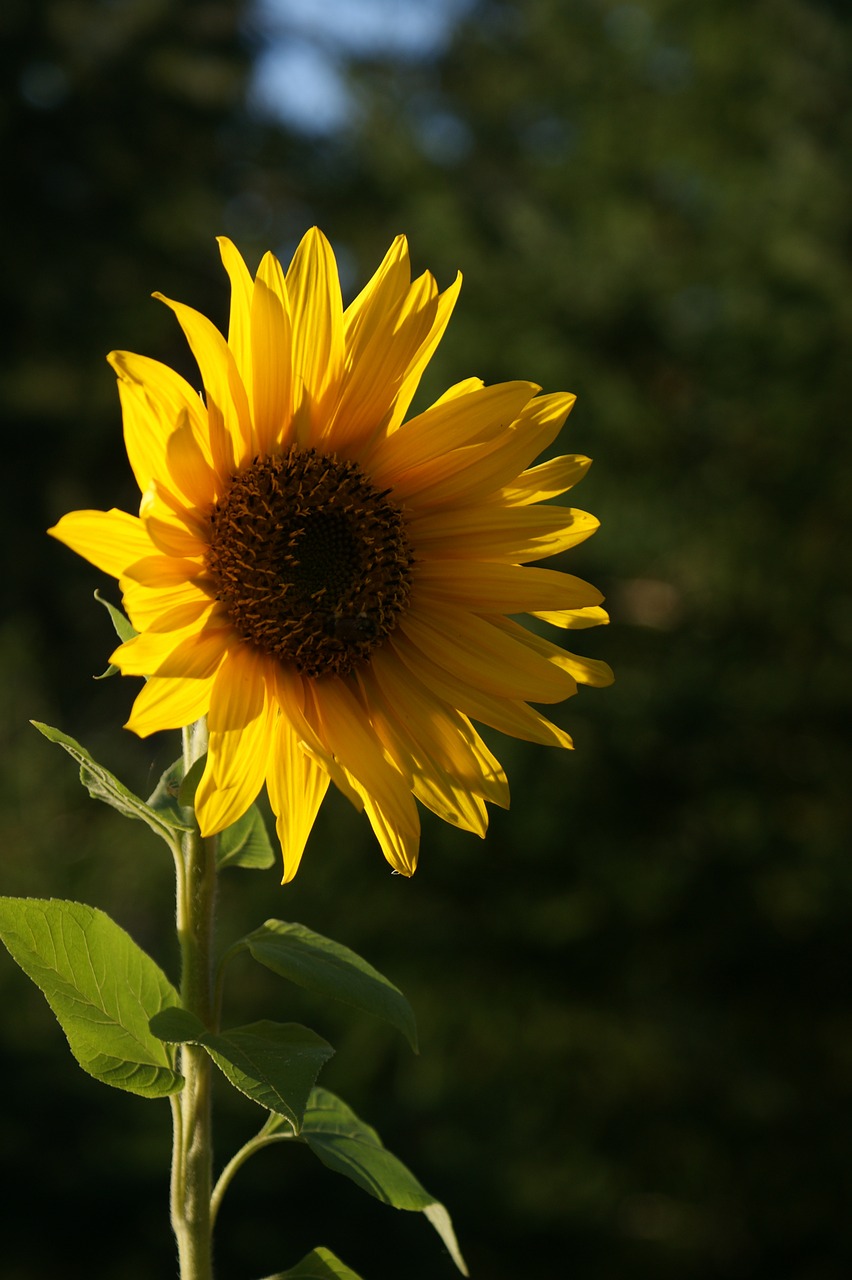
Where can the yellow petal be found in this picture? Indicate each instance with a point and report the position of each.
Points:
(424, 446)
(400, 845)
(574, 619)
(189, 468)
(154, 399)
(240, 723)
(296, 785)
(509, 716)
(493, 532)
(446, 304)
(499, 588)
(477, 472)
(187, 654)
(228, 418)
(164, 608)
(163, 571)
(345, 728)
(270, 354)
(239, 324)
(388, 347)
(591, 671)
(164, 703)
(316, 311)
(473, 650)
(547, 480)
(110, 540)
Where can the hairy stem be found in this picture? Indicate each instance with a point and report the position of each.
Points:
(192, 1167)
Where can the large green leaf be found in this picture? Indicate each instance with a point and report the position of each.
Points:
(102, 987)
(348, 1146)
(273, 1063)
(103, 785)
(246, 843)
(320, 1264)
(321, 965)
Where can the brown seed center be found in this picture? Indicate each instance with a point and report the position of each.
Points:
(311, 562)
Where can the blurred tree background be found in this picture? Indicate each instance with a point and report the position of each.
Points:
(633, 997)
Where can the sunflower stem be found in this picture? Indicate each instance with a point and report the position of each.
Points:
(192, 1160)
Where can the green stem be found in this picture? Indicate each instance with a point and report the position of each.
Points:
(192, 1162)
(236, 1162)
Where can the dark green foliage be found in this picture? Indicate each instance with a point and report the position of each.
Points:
(636, 1055)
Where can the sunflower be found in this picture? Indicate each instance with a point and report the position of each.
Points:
(330, 585)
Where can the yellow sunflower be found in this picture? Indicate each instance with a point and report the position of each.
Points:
(331, 585)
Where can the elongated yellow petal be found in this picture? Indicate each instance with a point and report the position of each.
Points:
(188, 466)
(446, 304)
(477, 472)
(271, 356)
(228, 417)
(164, 703)
(240, 723)
(494, 532)
(584, 670)
(547, 480)
(574, 619)
(163, 571)
(400, 845)
(154, 399)
(477, 652)
(164, 608)
(499, 588)
(421, 451)
(509, 716)
(345, 728)
(316, 310)
(189, 654)
(239, 324)
(110, 540)
(296, 785)
(389, 343)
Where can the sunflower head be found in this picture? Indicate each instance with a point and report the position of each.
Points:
(334, 587)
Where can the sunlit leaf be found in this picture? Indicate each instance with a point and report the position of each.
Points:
(103, 785)
(101, 986)
(320, 1264)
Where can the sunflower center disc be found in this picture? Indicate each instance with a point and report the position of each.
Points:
(311, 562)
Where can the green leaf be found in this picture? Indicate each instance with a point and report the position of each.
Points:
(102, 987)
(246, 843)
(177, 1024)
(123, 629)
(165, 798)
(189, 786)
(273, 1063)
(348, 1146)
(103, 785)
(319, 964)
(320, 1264)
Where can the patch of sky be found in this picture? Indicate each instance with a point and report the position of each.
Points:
(304, 45)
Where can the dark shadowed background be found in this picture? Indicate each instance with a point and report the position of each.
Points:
(634, 1001)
